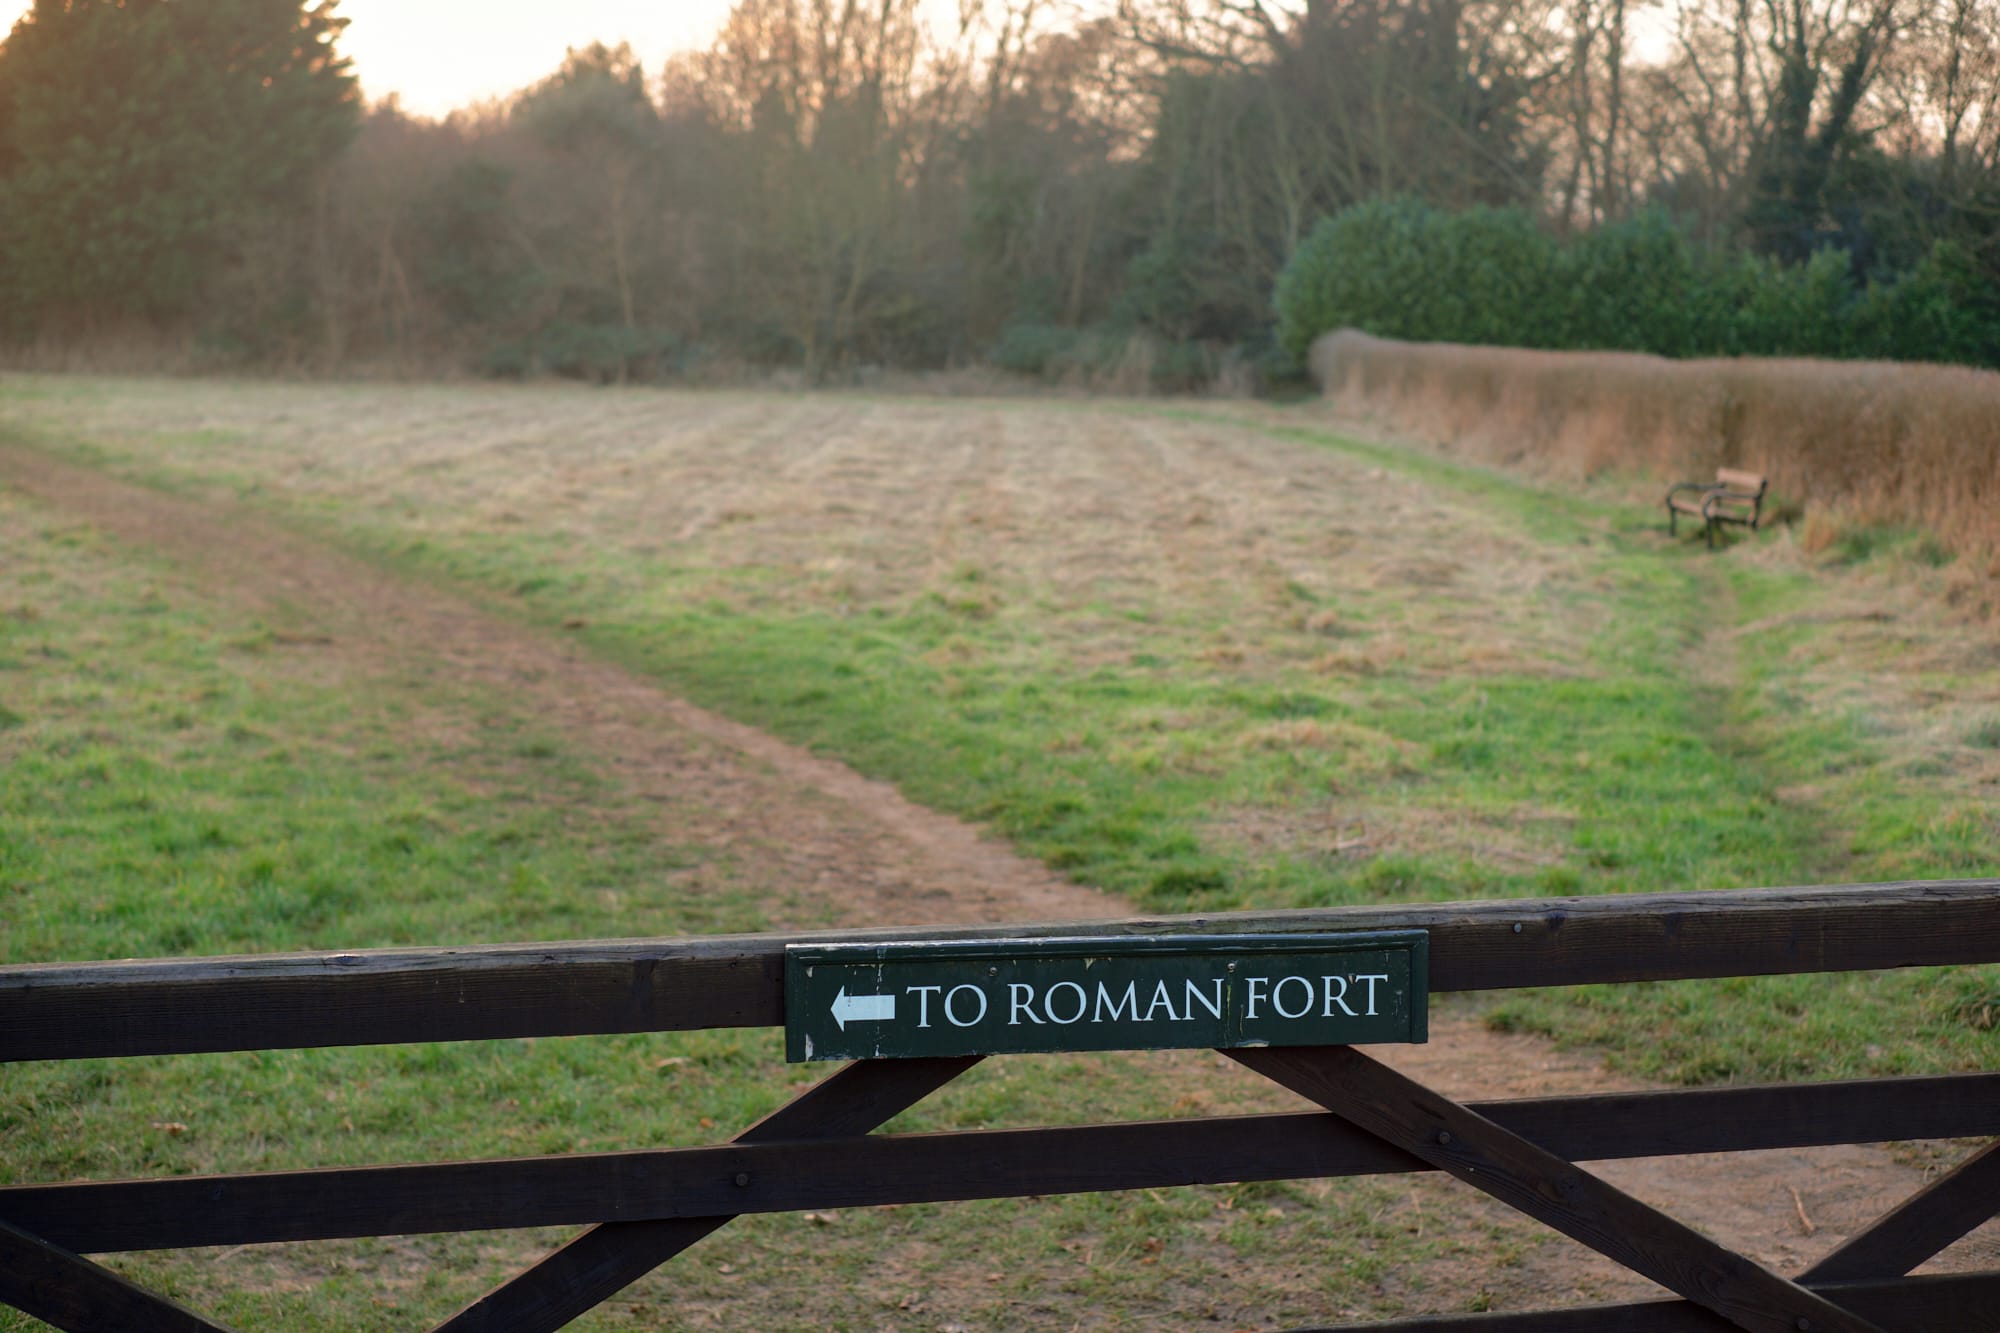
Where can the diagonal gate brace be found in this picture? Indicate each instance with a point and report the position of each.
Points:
(1556, 1192)
(606, 1259)
(70, 1292)
(1919, 1227)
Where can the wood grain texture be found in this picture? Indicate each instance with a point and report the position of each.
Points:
(608, 1258)
(304, 1205)
(1921, 1225)
(268, 1002)
(62, 1288)
(1550, 1189)
(1953, 1303)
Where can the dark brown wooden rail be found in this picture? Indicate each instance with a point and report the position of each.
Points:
(820, 1151)
(797, 1175)
(368, 997)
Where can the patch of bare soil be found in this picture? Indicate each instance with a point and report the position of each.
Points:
(1784, 1208)
(836, 847)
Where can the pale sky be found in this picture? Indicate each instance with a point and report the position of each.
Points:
(440, 54)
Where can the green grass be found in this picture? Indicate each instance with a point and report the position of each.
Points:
(180, 777)
(1637, 768)
(1642, 772)
(172, 784)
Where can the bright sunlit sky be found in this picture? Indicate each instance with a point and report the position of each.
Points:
(440, 54)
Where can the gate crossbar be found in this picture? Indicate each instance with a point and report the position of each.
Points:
(820, 1151)
(799, 1174)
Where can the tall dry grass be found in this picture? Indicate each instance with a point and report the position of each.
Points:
(1868, 442)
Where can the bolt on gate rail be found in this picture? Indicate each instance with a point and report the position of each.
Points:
(818, 1152)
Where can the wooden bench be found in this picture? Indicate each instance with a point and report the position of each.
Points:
(1734, 497)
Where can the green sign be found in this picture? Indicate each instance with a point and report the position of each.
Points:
(991, 997)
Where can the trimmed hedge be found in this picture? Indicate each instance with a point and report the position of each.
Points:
(1860, 442)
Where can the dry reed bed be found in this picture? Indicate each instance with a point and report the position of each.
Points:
(1869, 442)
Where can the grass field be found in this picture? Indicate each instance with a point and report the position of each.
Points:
(1204, 657)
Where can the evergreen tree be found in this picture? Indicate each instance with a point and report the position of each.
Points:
(141, 141)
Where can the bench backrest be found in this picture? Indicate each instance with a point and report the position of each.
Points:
(1749, 482)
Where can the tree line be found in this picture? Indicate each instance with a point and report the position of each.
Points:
(834, 185)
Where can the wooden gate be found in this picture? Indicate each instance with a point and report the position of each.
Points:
(819, 1152)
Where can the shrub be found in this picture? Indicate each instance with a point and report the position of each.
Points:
(1360, 269)
(1494, 277)
(1640, 285)
(1401, 269)
(1941, 310)
(1034, 349)
(1798, 311)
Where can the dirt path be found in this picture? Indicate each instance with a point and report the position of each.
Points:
(853, 850)
(857, 849)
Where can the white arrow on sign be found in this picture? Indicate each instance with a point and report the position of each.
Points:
(862, 1008)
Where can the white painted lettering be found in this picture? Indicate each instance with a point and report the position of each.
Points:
(1127, 1004)
(1371, 978)
(923, 1002)
(953, 994)
(1250, 1009)
(1160, 999)
(1021, 1000)
(1193, 995)
(1049, 1002)
(1336, 996)
(1278, 997)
